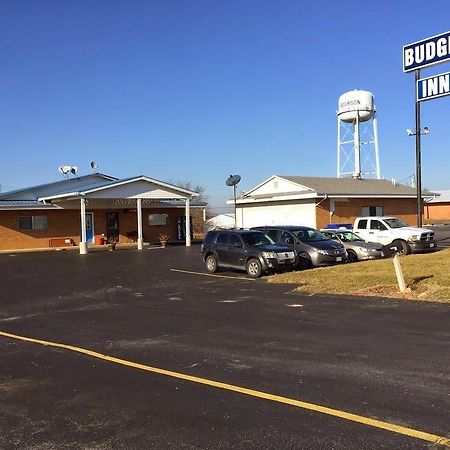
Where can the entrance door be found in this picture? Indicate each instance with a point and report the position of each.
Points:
(90, 227)
(112, 226)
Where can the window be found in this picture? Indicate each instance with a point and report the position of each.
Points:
(362, 224)
(222, 239)
(158, 219)
(30, 223)
(370, 211)
(285, 237)
(273, 234)
(256, 238)
(235, 241)
(377, 225)
(309, 235)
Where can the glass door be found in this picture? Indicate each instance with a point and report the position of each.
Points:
(112, 227)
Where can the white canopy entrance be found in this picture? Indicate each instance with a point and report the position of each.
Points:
(132, 190)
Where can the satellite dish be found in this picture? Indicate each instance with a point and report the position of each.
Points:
(64, 169)
(74, 170)
(94, 166)
(233, 180)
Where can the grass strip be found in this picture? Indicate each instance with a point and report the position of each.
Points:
(427, 277)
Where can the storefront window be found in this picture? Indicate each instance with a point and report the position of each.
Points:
(28, 223)
(158, 219)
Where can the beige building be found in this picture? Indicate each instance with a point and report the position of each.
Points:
(319, 201)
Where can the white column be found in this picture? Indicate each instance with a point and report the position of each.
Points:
(377, 151)
(140, 239)
(357, 150)
(83, 243)
(188, 224)
(204, 220)
(338, 148)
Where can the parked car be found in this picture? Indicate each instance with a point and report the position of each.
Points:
(395, 234)
(357, 248)
(312, 247)
(248, 250)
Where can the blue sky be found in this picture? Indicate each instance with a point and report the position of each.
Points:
(197, 90)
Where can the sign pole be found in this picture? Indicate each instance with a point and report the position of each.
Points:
(418, 155)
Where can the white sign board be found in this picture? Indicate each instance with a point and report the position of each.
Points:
(433, 87)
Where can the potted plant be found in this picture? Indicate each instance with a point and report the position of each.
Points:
(163, 238)
(112, 242)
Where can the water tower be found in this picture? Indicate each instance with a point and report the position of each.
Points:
(357, 143)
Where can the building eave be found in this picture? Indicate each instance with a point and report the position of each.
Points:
(184, 193)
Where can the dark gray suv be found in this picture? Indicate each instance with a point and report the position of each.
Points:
(248, 250)
(313, 248)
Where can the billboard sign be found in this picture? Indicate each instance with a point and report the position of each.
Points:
(433, 87)
(429, 51)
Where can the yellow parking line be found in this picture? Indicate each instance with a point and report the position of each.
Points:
(212, 275)
(242, 390)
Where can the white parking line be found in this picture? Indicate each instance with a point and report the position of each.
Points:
(212, 275)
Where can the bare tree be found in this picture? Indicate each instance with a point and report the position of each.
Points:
(198, 188)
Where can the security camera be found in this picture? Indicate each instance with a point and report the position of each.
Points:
(410, 132)
(426, 130)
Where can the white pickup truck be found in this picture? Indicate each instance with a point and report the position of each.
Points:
(392, 232)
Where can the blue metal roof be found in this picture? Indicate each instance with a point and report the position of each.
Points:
(17, 204)
(58, 187)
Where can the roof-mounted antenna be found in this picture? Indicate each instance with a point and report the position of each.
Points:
(64, 170)
(94, 166)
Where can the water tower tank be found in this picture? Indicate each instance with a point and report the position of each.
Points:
(355, 104)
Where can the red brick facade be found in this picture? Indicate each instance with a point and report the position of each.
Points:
(65, 224)
(346, 211)
(437, 212)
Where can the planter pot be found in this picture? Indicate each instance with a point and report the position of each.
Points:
(111, 247)
(163, 244)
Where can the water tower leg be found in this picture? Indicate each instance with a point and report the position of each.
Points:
(338, 148)
(375, 143)
(357, 150)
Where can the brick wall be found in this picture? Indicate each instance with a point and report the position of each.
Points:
(347, 211)
(66, 224)
(437, 212)
(322, 213)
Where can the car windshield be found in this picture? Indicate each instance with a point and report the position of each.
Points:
(393, 222)
(348, 236)
(256, 238)
(308, 235)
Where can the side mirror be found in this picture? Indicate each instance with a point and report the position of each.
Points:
(238, 244)
(289, 241)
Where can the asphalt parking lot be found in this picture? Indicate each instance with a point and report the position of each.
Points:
(382, 360)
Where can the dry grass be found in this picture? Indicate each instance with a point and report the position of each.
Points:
(426, 275)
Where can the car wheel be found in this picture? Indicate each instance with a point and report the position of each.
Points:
(304, 261)
(254, 268)
(402, 247)
(211, 264)
(351, 256)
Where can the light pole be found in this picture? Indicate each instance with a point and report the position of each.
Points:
(417, 133)
(233, 180)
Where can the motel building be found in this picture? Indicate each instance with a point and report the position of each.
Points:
(96, 208)
(319, 201)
